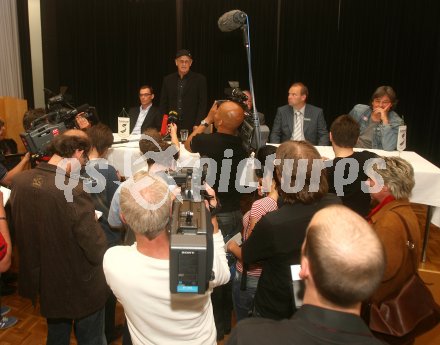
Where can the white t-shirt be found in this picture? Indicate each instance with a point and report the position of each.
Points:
(154, 315)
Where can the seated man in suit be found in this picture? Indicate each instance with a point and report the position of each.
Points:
(342, 263)
(146, 115)
(299, 120)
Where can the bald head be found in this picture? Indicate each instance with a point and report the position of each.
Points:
(346, 258)
(229, 117)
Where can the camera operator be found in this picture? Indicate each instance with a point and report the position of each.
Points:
(250, 107)
(81, 121)
(61, 244)
(7, 176)
(139, 274)
(223, 146)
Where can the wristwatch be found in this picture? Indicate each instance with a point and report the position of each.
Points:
(204, 123)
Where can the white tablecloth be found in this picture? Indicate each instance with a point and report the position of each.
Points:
(126, 158)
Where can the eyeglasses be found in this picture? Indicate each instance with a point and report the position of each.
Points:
(144, 94)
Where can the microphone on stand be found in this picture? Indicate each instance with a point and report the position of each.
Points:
(228, 22)
(232, 20)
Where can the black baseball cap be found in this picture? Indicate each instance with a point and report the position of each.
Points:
(183, 52)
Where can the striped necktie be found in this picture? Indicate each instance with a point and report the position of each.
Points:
(298, 129)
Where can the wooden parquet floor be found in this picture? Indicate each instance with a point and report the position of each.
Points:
(31, 328)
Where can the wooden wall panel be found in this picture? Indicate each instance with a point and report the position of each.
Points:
(11, 111)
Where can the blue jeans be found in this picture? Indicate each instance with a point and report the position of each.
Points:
(229, 223)
(243, 299)
(88, 330)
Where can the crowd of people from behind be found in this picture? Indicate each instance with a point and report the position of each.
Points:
(93, 239)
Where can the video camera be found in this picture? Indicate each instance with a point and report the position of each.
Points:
(236, 95)
(247, 129)
(60, 117)
(191, 243)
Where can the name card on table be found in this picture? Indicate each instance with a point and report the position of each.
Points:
(123, 127)
(401, 138)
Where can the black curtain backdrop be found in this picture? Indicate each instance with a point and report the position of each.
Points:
(107, 49)
(222, 56)
(341, 49)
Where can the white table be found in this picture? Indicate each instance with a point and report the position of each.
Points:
(126, 158)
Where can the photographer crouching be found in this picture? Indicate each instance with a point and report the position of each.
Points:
(226, 149)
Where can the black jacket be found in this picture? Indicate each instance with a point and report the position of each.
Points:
(193, 100)
(152, 120)
(276, 243)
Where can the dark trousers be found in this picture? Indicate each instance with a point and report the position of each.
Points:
(110, 310)
(88, 330)
(126, 338)
(229, 223)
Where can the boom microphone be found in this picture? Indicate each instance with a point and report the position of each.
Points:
(232, 20)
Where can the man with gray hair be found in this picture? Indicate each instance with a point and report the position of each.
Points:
(139, 274)
(342, 264)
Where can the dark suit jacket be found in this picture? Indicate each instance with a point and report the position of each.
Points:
(153, 118)
(193, 100)
(315, 127)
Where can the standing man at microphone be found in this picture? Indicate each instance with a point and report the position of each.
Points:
(184, 91)
(378, 121)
